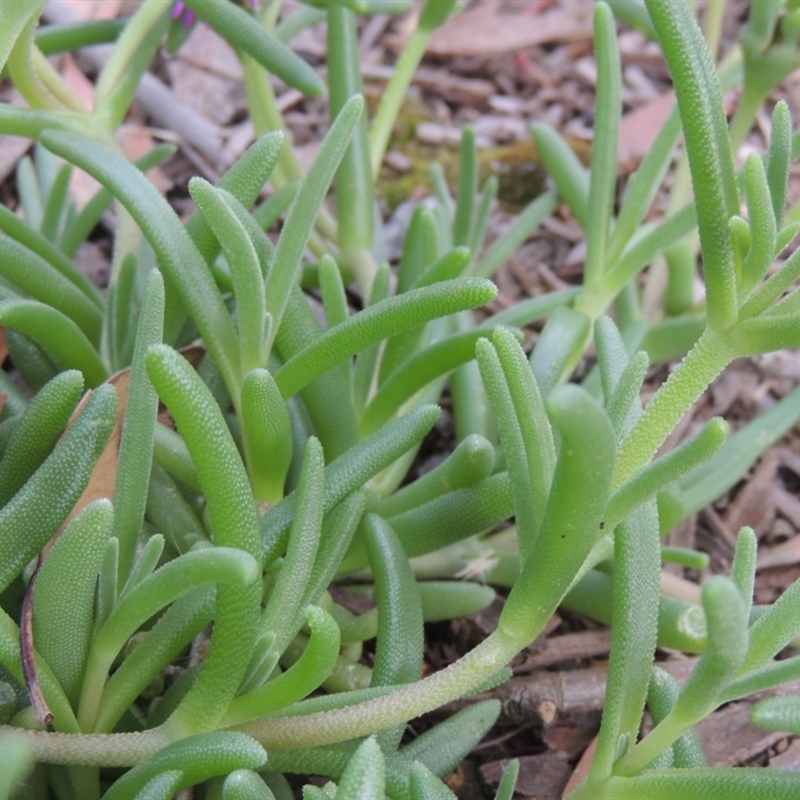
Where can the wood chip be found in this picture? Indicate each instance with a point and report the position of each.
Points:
(541, 777)
(94, 9)
(754, 504)
(779, 555)
(638, 131)
(789, 758)
(12, 148)
(581, 769)
(484, 30)
(546, 696)
(567, 648)
(206, 75)
(788, 505)
(729, 739)
(398, 161)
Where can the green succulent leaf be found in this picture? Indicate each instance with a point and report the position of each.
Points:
(138, 427)
(777, 714)
(58, 336)
(349, 472)
(303, 211)
(243, 260)
(38, 430)
(198, 758)
(686, 784)
(441, 748)
(242, 30)
(560, 344)
(564, 167)
(571, 525)
(267, 435)
(63, 630)
(637, 560)
(384, 319)
(662, 693)
(304, 676)
(234, 524)
(365, 774)
(417, 372)
(183, 267)
(708, 147)
(284, 604)
(26, 524)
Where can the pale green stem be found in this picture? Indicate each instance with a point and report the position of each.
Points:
(128, 43)
(24, 74)
(750, 101)
(713, 30)
(691, 378)
(266, 117)
(88, 750)
(658, 740)
(410, 701)
(393, 96)
(54, 82)
(128, 749)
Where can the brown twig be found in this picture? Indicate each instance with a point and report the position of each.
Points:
(43, 714)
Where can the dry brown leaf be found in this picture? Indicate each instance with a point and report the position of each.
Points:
(82, 87)
(729, 739)
(94, 9)
(484, 30)
(82, 186)
(780, 555)
(12, 148)
(44, 716)
(581, 769)
(136, 142)
(754, 505)
(104, 474)
(207, 76)
(638, 131)
(101, 485)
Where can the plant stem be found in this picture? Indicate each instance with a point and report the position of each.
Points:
(608, 110)
(125, 49)
(54, 83)
(393, 96)
(86, 750)
(658, 740)
(691, 378)
(713, 29)
(354, 183)
(24, 73)
(410, 701)
(753, 95)
(266, 117)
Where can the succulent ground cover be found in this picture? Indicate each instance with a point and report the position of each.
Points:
(319, 450)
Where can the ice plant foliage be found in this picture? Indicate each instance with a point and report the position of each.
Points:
(178, 625)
